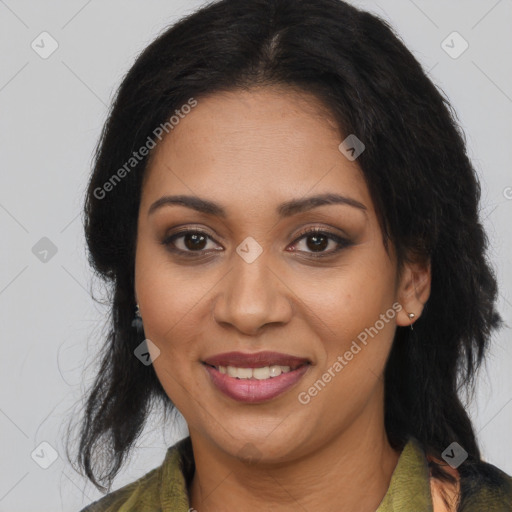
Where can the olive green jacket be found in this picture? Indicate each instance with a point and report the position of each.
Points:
(164, 489)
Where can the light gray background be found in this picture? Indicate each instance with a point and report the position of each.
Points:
(52, 111)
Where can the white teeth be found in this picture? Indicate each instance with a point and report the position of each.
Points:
(244, 373)
(261, 373)
(266, 372)
(275, 371)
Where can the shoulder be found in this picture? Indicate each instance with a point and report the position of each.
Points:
(478, 486)
(485, 487)
(148, 492)
(141, 492)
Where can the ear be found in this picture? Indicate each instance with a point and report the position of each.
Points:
(413, 291)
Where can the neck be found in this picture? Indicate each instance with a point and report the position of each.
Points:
(353, 469)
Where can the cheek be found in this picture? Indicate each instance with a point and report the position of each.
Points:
(170, 316)
(349, 298)
(354, 314)
(171, 296)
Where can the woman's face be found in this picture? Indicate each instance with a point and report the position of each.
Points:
(251, 282)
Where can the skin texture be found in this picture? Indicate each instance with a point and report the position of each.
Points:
(250, 151)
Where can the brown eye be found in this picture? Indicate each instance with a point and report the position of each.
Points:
(191, 241)
(317, 241)
(194, 241)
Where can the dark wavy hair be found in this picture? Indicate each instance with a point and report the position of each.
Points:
(423, 185)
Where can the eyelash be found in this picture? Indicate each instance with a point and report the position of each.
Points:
(342, 242)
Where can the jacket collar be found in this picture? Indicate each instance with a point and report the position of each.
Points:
(409, 488)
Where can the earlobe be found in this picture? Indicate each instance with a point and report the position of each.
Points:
(413, 292)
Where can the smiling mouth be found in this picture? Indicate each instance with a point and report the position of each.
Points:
(255, 385)
(256, 373)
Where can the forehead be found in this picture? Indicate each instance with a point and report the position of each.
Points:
(252, 147)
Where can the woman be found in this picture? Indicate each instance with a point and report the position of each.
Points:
(283, 200)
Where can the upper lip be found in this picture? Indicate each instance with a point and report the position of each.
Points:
(256, 360)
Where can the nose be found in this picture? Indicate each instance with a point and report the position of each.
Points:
(253, 295)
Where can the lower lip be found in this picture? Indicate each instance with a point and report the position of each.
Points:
(253, 390)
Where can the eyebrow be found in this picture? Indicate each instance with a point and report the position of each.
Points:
(286, 209)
